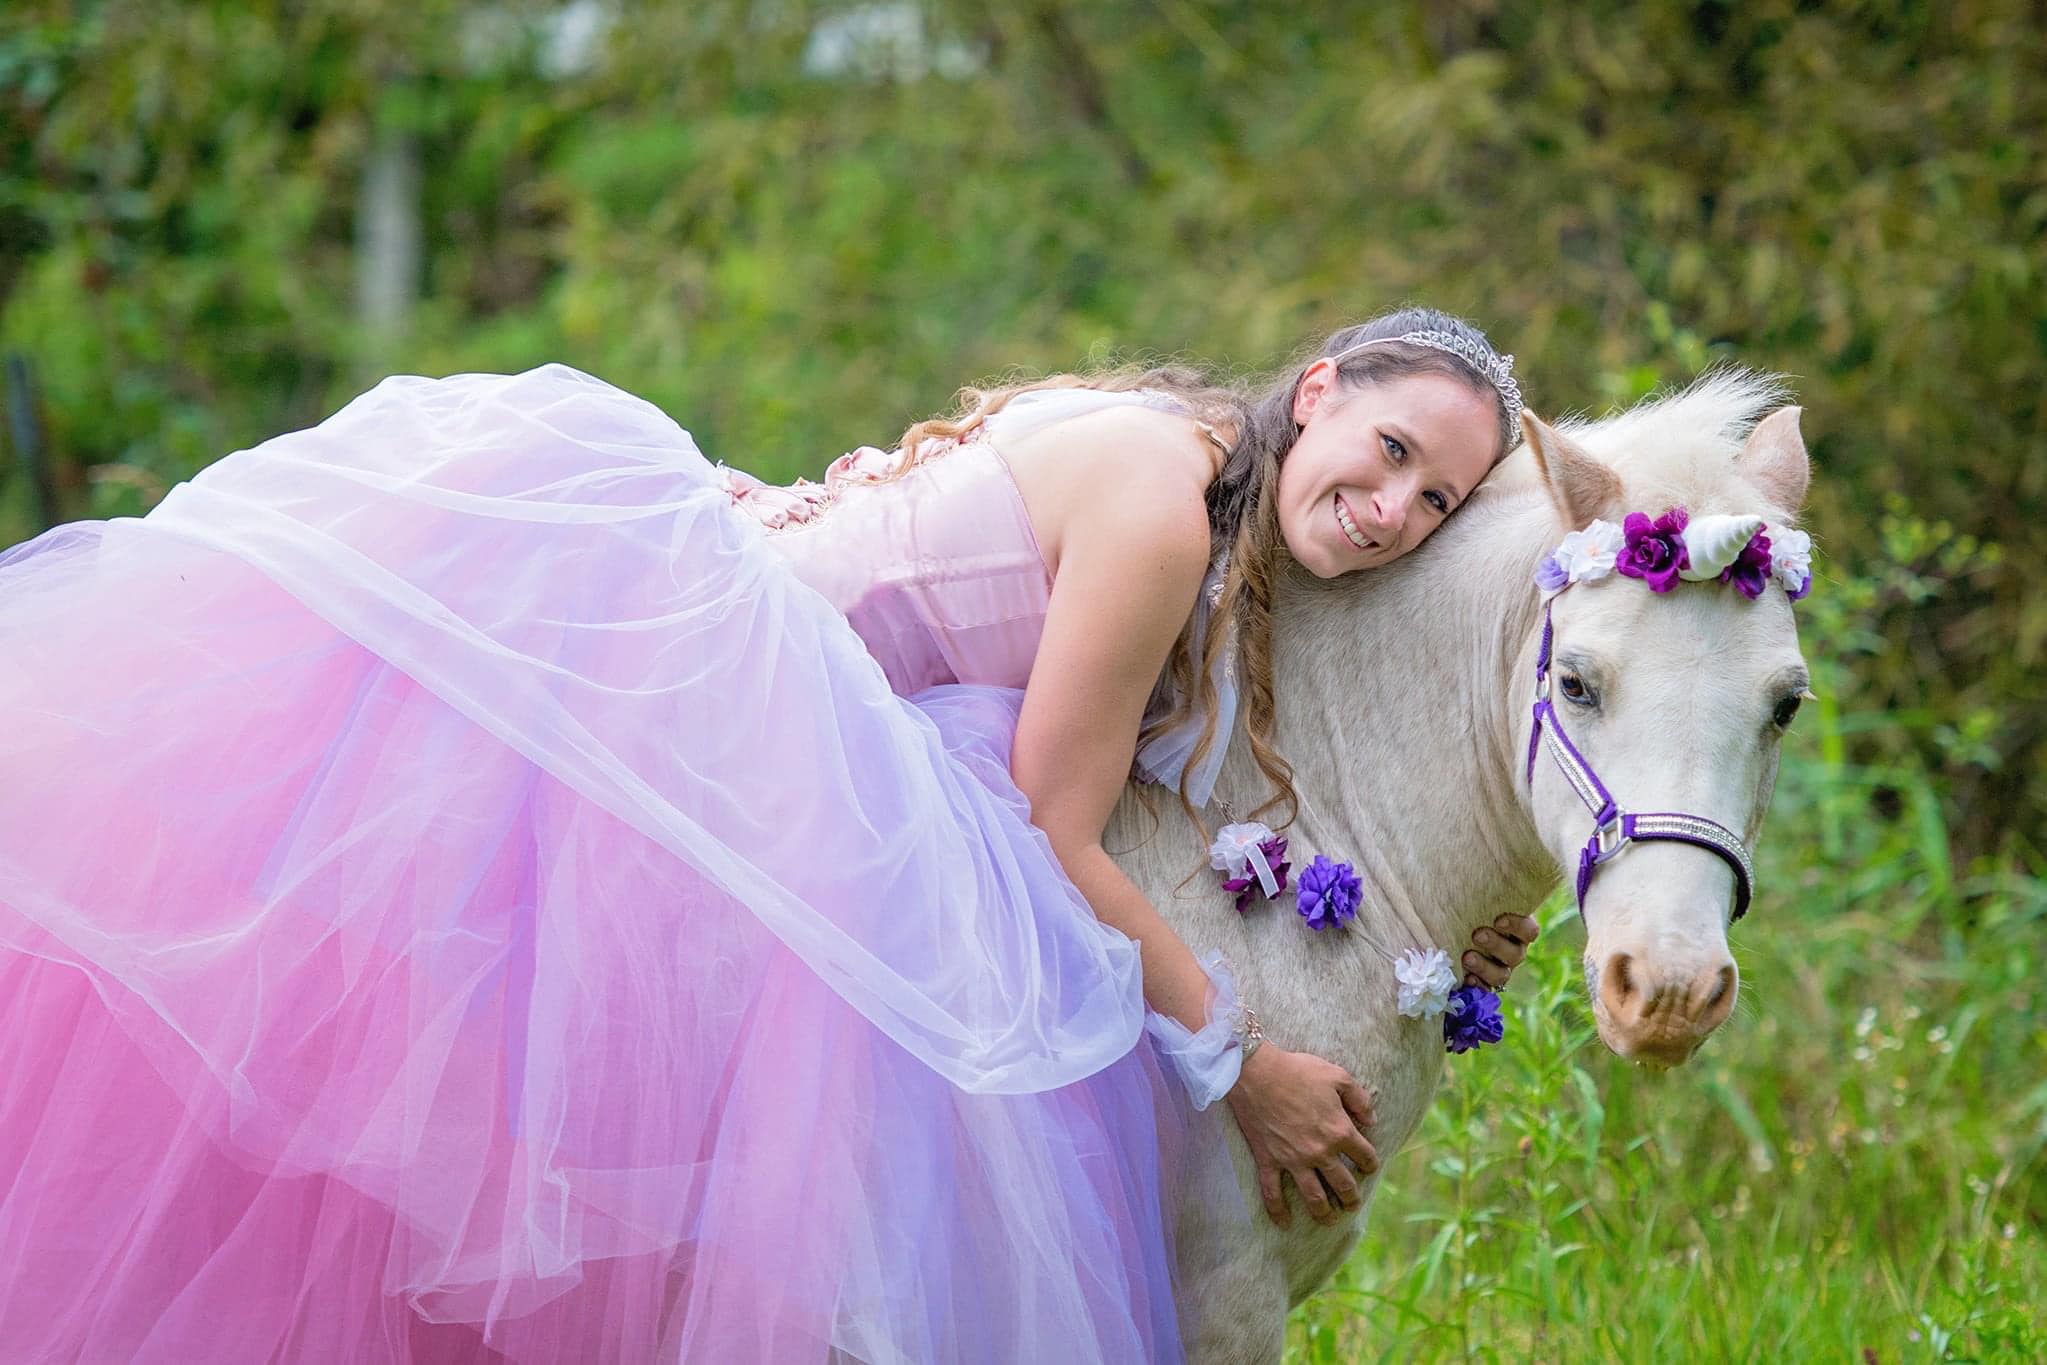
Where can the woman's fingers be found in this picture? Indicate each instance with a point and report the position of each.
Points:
(1357, 1102)
(1272, 1194)
(1498, 949)
(1342, 1186)
(1360, 1153)
(1313, 1193)
(1480, 969)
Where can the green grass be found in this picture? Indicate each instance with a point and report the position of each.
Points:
(1851, 1170)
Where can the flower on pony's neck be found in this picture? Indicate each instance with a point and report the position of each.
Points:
(1274, 852)
(1249, 854)
(1473, 1019)
(1655, 550)
(1426, 980)
(1328, 893)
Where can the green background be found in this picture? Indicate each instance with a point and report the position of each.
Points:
(795, 255)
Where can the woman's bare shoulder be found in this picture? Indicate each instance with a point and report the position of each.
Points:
(1131, 460)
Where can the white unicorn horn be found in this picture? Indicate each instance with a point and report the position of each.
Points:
(1716, 542)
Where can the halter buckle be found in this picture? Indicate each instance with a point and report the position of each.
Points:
(1610, 838)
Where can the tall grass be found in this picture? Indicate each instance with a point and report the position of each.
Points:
(1851, 1170)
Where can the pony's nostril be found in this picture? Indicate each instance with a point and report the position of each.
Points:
(1719, 1000)
(1722, 984)
(1617, 983)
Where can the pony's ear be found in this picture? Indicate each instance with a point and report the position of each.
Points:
(1579, 484)
(1774, 459)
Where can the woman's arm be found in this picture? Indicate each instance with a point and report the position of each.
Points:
(1127, 579)
(1133, 554)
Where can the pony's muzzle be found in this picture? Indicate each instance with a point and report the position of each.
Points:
(1659, 1012)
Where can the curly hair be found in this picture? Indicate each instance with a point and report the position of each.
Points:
(1243, 519)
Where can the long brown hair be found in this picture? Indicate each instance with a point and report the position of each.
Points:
(1243, 518)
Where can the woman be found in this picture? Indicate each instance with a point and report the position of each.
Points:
(466, 894)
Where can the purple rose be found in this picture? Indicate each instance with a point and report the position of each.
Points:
(1473, 1019)
(1274, 850)
(1328, 893)
(1655, 550)
(1550, 575)
(1750, 571)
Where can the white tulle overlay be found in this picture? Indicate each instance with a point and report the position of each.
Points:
(461, 899)
(1163, 757)
(1209, 1059)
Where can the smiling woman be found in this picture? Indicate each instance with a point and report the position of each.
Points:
(1407, 449)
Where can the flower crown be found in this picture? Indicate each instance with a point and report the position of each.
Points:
(1497, 370)
(1677, 546)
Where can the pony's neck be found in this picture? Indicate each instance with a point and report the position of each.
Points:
(1399, 700)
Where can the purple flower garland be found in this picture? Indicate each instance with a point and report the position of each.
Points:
(1328, 893)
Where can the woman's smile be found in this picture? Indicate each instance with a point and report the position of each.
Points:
(1349, 527)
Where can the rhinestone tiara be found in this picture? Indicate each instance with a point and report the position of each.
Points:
(1497, 369)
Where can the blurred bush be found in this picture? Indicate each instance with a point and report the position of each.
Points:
(800, 226)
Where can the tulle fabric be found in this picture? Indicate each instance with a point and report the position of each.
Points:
(1209, 1059)
(462, 900)
(1162, 759)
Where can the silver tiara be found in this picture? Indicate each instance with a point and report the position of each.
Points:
(1498, 369)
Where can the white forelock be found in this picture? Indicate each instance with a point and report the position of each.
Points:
(1680, 447)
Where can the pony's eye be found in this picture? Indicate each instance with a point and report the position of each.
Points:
(1574, 689)
(1787, 711)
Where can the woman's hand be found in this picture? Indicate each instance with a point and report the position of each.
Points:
(1497, 949)
(1306, 1118)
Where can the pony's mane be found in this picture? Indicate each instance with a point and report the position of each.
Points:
(1679, 448)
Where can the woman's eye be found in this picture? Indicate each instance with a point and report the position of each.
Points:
(1787, 711)
(1574, 689)
(1439, 502)
(1394, 450)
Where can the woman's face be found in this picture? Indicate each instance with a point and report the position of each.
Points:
(1376, 468)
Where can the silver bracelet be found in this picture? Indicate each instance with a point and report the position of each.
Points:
(1248, 1033)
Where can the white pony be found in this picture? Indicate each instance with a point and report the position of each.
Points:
(1406, 709)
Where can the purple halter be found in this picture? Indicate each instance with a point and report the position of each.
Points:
(1612, 828)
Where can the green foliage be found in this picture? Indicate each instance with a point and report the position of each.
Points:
(797, 263)
(1853, 193)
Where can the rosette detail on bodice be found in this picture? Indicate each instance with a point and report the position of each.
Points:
(934, 566)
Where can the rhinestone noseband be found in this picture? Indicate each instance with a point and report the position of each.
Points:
(1612, 828)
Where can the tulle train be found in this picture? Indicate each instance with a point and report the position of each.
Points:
(461, 900)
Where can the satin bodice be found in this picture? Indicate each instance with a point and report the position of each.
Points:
(939, 572)
(937, 569)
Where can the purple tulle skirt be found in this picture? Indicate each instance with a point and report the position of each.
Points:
(462, 900)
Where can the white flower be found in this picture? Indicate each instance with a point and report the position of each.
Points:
(1590, 553)
(1231, 851)
(1791, 558)
(1426, 980)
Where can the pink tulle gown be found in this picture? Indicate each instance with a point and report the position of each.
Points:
(475, 887)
